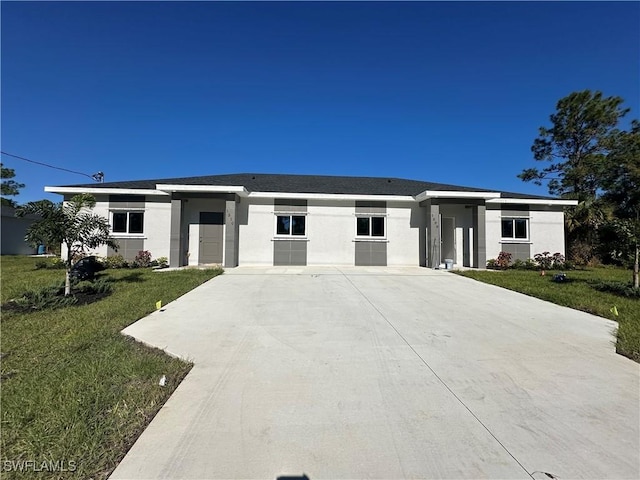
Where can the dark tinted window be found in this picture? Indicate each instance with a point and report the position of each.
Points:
(521, 227)
(211, 218)
(298, 224)
(283, 225)
(362, 226)
(120, 222)
(136, 221)
(507, 228)
(377, 226)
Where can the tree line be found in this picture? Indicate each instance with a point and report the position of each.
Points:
(590, 158)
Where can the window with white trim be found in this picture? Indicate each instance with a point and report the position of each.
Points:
(515, 228)
(370, 226)
(127, 222)
(291, 225)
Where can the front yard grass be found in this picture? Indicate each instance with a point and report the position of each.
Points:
(74, 390)
(579, 293)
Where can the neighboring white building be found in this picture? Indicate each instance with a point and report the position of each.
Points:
(268, 219)
(13, 231)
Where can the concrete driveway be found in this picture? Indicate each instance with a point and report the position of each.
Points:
(385, 373)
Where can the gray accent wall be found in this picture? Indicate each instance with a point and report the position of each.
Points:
(232, 231)
(480, 236)
(518, 251)
(369, 253)
(175, 249)
(371, 207)
(516, 211)
(433, 234)
(290, 252)
(129, 248)
(126, 201)
(285, 205)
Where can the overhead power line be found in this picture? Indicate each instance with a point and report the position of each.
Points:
(98, 177)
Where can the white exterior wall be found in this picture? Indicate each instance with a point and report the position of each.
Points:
(331, 230)
(547, 231)
(256, 232)
(493, 231)
(157, 226)
(102, 209)
(403, 248)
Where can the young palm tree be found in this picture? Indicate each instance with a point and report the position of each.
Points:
(71, 224)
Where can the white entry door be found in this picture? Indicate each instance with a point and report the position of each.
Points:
(448, 238)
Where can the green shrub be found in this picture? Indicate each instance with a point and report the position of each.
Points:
(162, 262)
(41, 299)
(623, 289)
(58, 264)
(116, 261)
(99, 286)
(546, 261)
(53, 264)
(528, 264)
(52, 297)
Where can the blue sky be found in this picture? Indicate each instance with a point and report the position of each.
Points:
(448, 92)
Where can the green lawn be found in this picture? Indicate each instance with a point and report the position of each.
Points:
(577, 293)
(74, 390)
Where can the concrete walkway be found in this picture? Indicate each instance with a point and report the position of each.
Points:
(385, 373)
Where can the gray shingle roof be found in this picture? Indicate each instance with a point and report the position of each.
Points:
(267, 182)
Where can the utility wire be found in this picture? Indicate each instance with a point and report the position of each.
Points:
(92, 177)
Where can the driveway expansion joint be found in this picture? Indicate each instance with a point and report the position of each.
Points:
(383, 316)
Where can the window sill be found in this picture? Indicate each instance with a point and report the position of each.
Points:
(128, 235)
(289, 238)
(371, 239)
(515, 240)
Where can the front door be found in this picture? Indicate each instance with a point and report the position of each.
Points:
(211, 237)
(448, 239)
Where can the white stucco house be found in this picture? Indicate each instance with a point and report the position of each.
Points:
(271, 219)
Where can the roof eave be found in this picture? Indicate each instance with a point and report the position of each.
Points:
(170, 188)
(427, 194)
(105, 190)
(534, 201)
